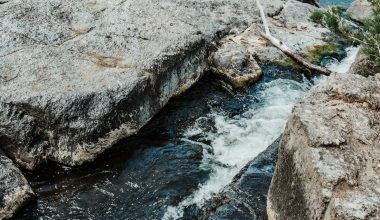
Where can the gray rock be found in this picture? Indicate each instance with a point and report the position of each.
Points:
(296, 14)
(77, 76)
(363, 65)
(233, 63)
(14, 189)
(360, 10)
(291, 26)
(329, 165)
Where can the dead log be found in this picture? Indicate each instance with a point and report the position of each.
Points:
(285, 49)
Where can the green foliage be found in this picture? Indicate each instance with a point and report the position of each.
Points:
(366, 34)
(371, 34)
(318, 52)
(329, 18)
(317, 16)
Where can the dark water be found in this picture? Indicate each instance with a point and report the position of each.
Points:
(146, 173)
(158, 168)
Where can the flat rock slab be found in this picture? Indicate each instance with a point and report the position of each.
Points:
(329, 160)
(77, 76)
(14, 188)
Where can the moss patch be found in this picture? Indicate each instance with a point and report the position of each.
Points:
(318, 52)
(314, 55)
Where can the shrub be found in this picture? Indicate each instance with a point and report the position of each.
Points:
(366, 34)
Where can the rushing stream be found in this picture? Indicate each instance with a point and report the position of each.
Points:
(233, 141)
(187, 154)
(183, 157)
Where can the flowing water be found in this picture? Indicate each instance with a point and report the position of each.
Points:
(186, 155)
(183, 157)
(235, 141)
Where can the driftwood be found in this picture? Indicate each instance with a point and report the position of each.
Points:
(285, 49)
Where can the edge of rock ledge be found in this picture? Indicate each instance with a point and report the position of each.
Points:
(15, 191)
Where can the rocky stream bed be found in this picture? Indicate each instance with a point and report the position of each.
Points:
(194, 111)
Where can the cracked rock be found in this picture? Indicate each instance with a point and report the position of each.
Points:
(77, 76)
(328, 165)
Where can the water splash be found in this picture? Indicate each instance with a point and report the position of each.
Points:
(344, 65)
(231, 142)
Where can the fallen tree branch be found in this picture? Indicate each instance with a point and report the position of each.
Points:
(285, 49)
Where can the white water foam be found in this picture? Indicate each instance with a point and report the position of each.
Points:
(344, 65)
(236, 141)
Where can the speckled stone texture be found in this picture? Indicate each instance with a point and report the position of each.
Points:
(14, 189)
(77, 76)
(329, 160)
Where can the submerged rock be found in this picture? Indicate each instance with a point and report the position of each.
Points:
(329, 165)
(77, 76)
(15, 191)
(245, 197)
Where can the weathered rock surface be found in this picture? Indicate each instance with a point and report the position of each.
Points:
(329, 160)
(360, 10)
(76, 76)
(290, 24)
(245, 198)
(363, 65)
(236, 65)
(14, 189)
(234, 60)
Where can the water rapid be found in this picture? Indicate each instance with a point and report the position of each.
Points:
(229, 143)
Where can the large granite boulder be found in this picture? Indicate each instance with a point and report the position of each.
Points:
(14, 189)
(360, 10)
(329, 159)
(77, 76)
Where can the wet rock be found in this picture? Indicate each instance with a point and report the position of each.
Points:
(233, 63)
(329, 165)
(360, 10)
(15, 191)
(245, 197)
(77, 76)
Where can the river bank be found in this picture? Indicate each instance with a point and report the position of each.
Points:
(199, 140)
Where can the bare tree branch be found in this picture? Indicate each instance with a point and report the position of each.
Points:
(285, 49)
